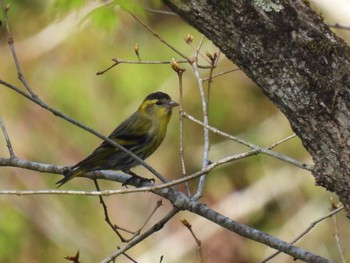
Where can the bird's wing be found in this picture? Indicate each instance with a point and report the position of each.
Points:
(131, 132)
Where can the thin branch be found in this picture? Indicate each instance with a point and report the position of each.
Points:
(198, 242)
(221, 73)
(206, 147)
(156, 227)
(180, 72)
(159, 203)
(128, 257)
(105, 210)
(5, 9)
(281, 141)
(307, 230)
(118, 61)
(256, 148)
(159, 37)
(189, 40)
(7, 139)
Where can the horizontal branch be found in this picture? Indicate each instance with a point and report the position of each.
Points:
(177, 198)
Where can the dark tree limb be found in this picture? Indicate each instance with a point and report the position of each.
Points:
(298, 62)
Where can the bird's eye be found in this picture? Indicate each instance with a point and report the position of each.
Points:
(159, 102)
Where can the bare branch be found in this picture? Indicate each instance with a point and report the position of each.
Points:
(159, 37)
(105, 210)
(156, 227)
(206, 146)
(118, 61)
(7, 139)
(256, 148)
(199, 243)
(180, 71)
(10, 41)
(222, 73)
(282, 141)
(307, 230)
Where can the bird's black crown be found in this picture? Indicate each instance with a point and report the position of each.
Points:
(158, 96)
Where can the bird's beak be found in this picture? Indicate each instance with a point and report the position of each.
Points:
(172, 104)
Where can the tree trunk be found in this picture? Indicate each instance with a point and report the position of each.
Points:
(302, 66)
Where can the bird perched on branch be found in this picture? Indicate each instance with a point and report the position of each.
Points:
(141, 133)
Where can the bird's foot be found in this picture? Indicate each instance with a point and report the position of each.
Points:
(137, 181)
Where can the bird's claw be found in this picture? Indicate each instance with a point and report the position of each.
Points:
(137, 181)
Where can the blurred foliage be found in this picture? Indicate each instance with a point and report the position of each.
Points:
(61, 47)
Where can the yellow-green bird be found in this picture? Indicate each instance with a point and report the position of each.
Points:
(141, 133)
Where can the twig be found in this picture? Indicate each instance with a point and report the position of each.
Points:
(5, 9)
(281, 141)
(179, 72)
(189, 40)
(118, 61)
(127, 256)
(221, 73)
(158, 204)
(141, 237)
(7, 139)
(256, 148)
(105, 210)
(308, 229)
(206, 147)
(159, 37)
(199, 243)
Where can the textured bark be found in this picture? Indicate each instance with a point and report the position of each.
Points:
(300, 64)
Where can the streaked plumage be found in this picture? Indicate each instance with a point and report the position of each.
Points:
(141, 133)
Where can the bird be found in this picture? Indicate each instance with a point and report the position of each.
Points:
(141, 133)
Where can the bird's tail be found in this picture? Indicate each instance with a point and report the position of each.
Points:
(69, 175)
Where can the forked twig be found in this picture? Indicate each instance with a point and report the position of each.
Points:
(141, 237)
(105, 210)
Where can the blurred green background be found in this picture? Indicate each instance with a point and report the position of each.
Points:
(61, 45)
